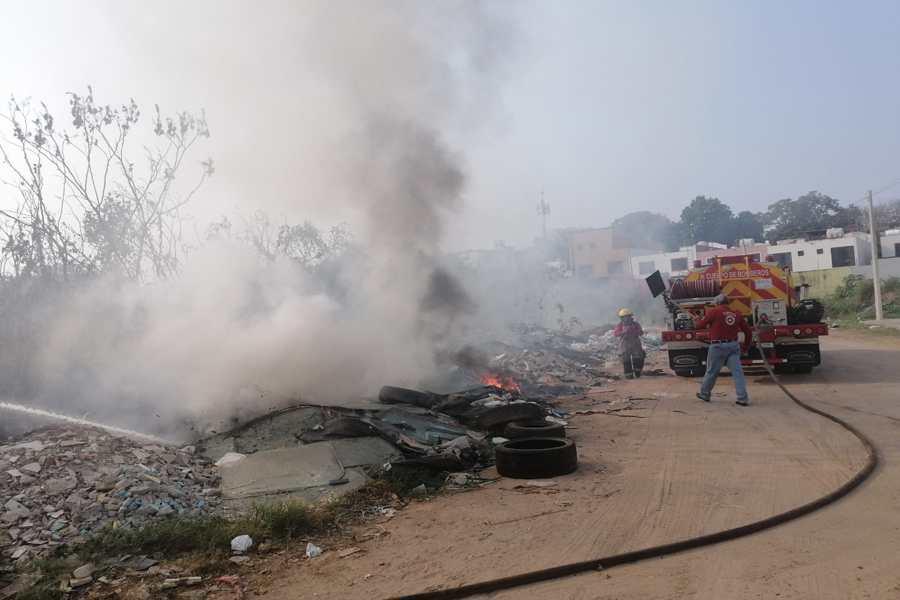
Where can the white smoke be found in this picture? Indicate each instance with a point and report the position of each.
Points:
(404, 75)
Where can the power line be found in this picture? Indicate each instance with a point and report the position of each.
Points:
(885, 188)
(881, 191)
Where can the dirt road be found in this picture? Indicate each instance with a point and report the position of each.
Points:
(669, 468)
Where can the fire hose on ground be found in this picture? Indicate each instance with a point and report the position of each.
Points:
(607, 562)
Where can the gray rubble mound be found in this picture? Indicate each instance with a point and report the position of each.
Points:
(61, 485)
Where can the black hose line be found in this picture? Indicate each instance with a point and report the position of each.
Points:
(503, 583)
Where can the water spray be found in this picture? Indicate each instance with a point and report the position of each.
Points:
(40, 412)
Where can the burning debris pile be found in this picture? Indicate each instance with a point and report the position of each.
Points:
(547, 373)
(547, 363)
(544, 364)
(60, 485)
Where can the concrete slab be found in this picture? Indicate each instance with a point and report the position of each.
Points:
(279, 430)
(362, 451)
(283, 470)
(217, 446)
(355, 479)
(893, 323)
(310, 473)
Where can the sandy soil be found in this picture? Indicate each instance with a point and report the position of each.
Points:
(673, 468)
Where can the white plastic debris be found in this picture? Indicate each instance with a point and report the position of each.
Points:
(538, 484)
(83, 571)
(230, 458)
(241, 543)
(35, 446)
(458, 479)
(312, 550)
(497, 440)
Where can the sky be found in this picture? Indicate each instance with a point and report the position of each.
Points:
(606, 107)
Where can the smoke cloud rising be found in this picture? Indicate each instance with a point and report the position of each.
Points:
(234, 333)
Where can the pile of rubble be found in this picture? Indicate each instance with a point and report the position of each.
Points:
(607, 343)
(545, 363)
(59, 485)
(316, 452)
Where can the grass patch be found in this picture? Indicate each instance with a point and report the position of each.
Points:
(403, 478)
(44, 589)
(48, 572)
(170, 537)
(209, 538)
(855, 297)
(278, 523)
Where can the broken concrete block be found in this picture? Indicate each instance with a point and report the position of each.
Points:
(85, 570)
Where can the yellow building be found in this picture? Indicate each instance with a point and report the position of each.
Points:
(599, 254)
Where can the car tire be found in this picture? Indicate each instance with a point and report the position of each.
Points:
(532, 429)
(397, 395)
(536, 458)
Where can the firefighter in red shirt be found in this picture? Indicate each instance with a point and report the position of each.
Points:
(724, 348)
(631, 350)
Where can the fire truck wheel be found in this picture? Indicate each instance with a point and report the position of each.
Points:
(536, 458)
(530, 429)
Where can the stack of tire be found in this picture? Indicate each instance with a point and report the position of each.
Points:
(535, 450)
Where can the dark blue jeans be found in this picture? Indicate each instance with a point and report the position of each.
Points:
(720, 355)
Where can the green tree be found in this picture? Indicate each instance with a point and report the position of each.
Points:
(747, 225)
(647, 230)
(811, 212)
(887, 215)
(708, 219)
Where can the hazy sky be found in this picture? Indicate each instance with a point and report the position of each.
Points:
(609, 107)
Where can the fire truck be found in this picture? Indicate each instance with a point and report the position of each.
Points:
(787, 328)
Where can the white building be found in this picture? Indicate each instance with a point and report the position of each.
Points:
(890, 243)
(839, 249)
(667, 263)
(671, 263)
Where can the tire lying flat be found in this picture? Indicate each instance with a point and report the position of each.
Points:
(534, 429)
(397, 395)
(536, 458)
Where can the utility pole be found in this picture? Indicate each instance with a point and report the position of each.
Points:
(873, 235)
(543, 210)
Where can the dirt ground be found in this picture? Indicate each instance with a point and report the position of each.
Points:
(670, 468)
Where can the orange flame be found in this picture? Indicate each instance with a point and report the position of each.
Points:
(501, 381)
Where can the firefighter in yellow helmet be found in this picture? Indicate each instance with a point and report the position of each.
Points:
(631, 349)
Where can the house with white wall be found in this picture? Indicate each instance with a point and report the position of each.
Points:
(837, 250)
(667, 263)
(890, 243)
(675, 263)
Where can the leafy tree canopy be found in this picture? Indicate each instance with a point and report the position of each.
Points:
(647, 230)
(811, 212)
(708, 219)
